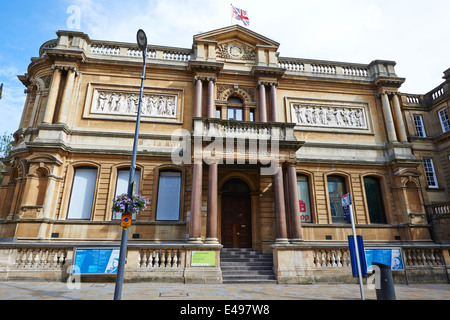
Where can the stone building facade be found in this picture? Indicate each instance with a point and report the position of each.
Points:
(239, 147)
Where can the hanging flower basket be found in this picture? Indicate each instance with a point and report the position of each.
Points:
(136, 204)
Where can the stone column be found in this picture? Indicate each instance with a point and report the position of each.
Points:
(211, 105)
(399, 119)
(296, 226)
(262, 103)
(52, 97)
(67, 95)
(274, 104)
(198, 97)
(196, 203)
(280, 209)
(388, 118)
(211, 226)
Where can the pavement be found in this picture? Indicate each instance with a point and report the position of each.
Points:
(202, 292)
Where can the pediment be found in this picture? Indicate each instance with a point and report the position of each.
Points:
(236, 34)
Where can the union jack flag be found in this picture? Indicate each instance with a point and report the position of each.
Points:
(241, 15)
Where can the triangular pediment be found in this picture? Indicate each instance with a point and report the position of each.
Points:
(237, 34)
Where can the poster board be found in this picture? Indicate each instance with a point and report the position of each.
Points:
(96, 260)
(390, 256)
(203, 259)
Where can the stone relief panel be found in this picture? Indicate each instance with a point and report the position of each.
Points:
(153, 105)
(235, 51)
(158, 104)
(332, 115)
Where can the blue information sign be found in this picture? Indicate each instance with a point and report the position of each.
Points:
(96, 260)
(388, 256)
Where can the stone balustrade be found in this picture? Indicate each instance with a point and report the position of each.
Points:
(325, 68)
(442, 208)
(159, 262)
(40, 258)
(161, 258)
(436, 93)
(330, 258)
(423, 257)
(243, 129)
(322, 263)
(107, 49)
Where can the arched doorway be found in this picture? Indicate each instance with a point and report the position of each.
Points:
(236, 215)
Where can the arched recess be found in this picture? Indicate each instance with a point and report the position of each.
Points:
(254, 193)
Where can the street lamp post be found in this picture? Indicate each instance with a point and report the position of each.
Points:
(142, 43)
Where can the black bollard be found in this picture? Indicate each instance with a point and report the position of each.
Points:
(385, 289)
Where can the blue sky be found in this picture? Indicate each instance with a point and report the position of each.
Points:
(411, 32)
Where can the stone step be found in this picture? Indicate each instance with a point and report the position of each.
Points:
(246, 266)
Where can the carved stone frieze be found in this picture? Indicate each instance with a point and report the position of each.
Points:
(326, 116)
(154, 104)
(335, 115)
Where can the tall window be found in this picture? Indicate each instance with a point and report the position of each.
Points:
(169, 196)
(430, 173)
(235, 113)
(82, 194)
(304, 201)
(235, 109)
(418, 122)
(374, 200)
(445, 122)
(336, 188)
(122, 185)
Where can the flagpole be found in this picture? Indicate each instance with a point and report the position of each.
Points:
(231, 19)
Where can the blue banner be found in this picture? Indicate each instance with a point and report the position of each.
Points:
(362, 256)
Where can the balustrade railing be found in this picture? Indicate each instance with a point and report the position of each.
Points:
(323, 258)
(437, 93)
(443, 208)
(413, 257)
(423, 257)
(244, 129)
(325, 68)
(160, 258)
(40, 258)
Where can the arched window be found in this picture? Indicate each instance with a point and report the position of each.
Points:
(169, 195)
(82, 193)
(374, 200)
(336, 188)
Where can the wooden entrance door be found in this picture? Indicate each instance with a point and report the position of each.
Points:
(236, 221)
